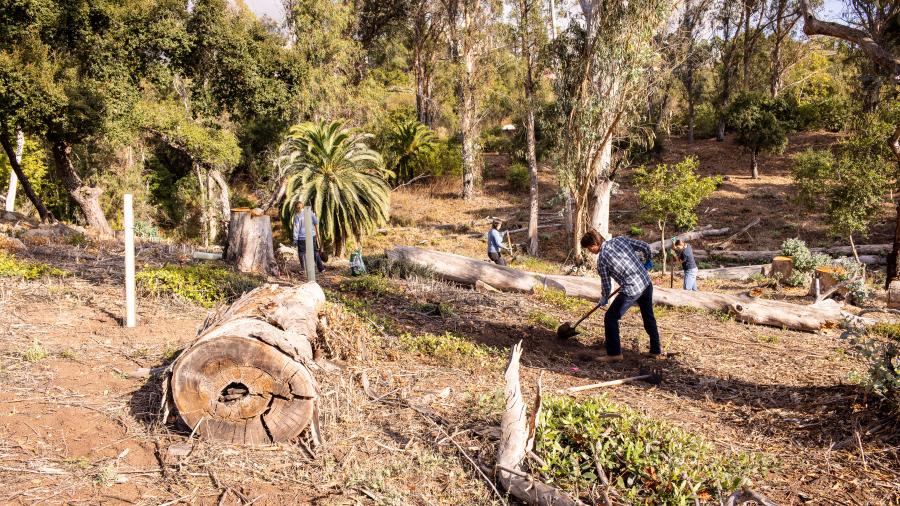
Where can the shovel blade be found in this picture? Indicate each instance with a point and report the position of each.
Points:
(565, 331)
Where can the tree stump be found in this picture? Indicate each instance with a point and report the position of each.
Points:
(782, 267)
(828, 278)
(250, 246)
(894, 294)
(244, 380)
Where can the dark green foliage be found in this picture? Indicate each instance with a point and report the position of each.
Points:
(518, 177)
(205, 284)
(825, 113)
(761, 122)
(881, 351)
(648, 462)
(408, 150)
(850, 183)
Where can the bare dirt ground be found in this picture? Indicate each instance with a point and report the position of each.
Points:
(78, 427)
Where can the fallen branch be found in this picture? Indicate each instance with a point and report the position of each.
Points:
(733, 236)
(657, 246)
(516, 439)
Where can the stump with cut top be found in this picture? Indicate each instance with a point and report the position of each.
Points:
(250, 246)
(245, 379)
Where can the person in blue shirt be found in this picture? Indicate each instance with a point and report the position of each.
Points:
(626, 261)
(299, 228)
(685, 254)
(495, 243)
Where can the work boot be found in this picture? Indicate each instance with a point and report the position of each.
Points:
(654, 356)
(608, 359)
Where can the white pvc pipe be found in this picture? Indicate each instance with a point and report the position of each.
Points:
(310, 257)
(13, 179)
(129, 263)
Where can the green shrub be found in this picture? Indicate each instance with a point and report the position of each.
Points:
(647, 461)
(444, 159)
(205, 284)
(371, 284)
(447, 348)
(34, 353)
(882, 357)
(824, 113)
(443, 309)
(147, 230)
(636, 231)
(542, 319)
(518, 178)
(705, 121)
(12, 267)
(381, 264)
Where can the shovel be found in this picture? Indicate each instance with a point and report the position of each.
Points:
(567, 330)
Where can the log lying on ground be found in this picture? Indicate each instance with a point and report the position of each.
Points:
(739, 273)
(245, 380)
(517, 439)
(656, 247)
(250, 246)
(751, 310)
(869, 253)
(463, 270)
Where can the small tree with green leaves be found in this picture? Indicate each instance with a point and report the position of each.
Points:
(671, 194)
(761, 123)
(850, 183)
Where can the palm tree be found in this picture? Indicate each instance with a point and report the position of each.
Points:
(334, 171)
(408, 145)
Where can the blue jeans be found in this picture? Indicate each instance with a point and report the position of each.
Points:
(617, 310)
(690, 280)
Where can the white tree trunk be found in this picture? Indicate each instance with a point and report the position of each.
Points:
(13, 179)
(602, 190)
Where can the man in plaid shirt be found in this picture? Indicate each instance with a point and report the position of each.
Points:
(619, 258)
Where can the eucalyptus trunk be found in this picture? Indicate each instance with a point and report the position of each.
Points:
(13, 179)
(87, 197)
(14, 162)
(602, 190)
(468, 123)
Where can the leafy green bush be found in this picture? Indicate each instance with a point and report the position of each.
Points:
(636, 231)
(370, 284)
(205, 284)
(381, 264)
(823, 113)
(882, 356)
(542, 319)
(12, 267)
(647, 461)
(34, 353)
(447, 348)
(445, 159)
(705, 121)
(518, 178)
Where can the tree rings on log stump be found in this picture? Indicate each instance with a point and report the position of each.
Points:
(245, 380)
(241, 390)
(250, 247)
(782, 267)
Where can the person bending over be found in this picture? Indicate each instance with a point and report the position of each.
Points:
(495, 243)
(619, 259)
(685, 254)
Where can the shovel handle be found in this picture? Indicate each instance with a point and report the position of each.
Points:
(585, 317)
(612, 383)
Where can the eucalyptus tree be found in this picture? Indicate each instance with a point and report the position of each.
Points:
(605, 65)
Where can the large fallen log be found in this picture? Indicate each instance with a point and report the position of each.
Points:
(656, 247)
(739, 273)
(743, 308)
(245, 380)
(768, 255)
(463, 270)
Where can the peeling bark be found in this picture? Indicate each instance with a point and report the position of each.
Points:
(87, 197)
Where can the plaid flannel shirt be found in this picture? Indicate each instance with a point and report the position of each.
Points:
(619, 260)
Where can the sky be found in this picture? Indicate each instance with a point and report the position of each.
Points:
(831, 10)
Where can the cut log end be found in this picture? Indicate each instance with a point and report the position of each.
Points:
(240, 390)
